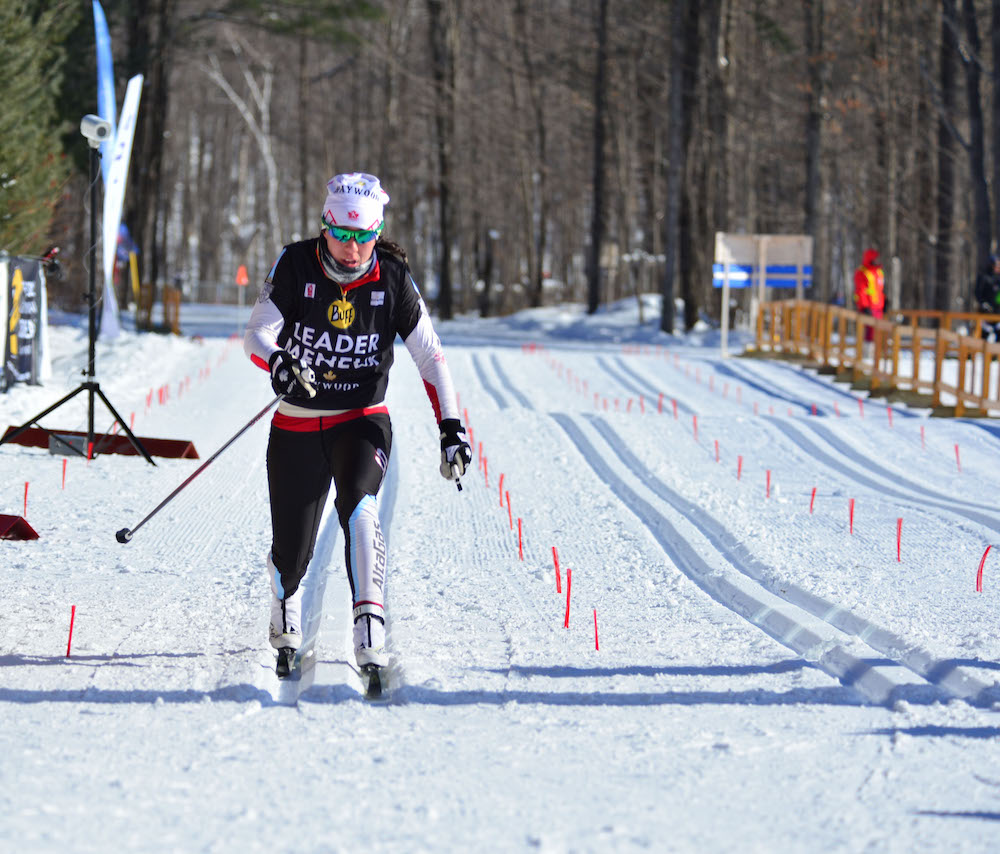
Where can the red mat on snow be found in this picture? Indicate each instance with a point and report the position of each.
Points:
(16, 528)
(36, 437)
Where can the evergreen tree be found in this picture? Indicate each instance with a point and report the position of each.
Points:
(33, 167)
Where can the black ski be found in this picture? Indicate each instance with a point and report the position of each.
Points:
(286, 662)
(372, 675)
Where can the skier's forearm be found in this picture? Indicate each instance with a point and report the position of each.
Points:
(260, 341)
(425, 349)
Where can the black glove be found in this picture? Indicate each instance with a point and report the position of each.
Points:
(291, 377)
(456, 454)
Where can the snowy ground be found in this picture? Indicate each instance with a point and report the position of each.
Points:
(768, 679)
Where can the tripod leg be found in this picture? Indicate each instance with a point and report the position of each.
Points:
(11, 436)
(131, 436)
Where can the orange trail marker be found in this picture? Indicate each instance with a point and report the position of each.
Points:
(72, 618)
(569, 584)
(979, 575)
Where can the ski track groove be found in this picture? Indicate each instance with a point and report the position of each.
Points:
(651, 389)
(942, 673)
(884, 481)
(507, 384)
(485, 383)
(863, 677)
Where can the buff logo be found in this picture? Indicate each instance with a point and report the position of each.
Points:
(340, 314)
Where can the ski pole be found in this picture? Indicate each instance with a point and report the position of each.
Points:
(126, 534)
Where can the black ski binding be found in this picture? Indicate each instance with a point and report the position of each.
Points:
(286, 662)
(372, 675)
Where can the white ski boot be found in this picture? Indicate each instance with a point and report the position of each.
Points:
(369, 636)
(286, 613)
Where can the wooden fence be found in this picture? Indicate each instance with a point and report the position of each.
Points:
(947, 354)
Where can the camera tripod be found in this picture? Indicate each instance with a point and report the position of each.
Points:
(93, 389)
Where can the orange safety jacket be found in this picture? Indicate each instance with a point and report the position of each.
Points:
(869, 290)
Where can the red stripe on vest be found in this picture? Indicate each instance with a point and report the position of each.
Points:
(294, 424)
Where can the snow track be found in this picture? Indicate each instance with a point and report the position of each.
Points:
(945, 674)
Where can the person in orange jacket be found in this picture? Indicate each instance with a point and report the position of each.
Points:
(869, 288)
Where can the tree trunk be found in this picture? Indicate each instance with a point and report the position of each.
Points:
(597, 211)
(817, 66)
(675, 167)
(946, 157)
(691, 273)
(995, 31)
(977, 143)
(443, 30)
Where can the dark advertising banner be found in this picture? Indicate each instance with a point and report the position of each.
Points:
(22, 336)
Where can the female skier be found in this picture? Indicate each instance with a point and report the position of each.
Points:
(324, 327)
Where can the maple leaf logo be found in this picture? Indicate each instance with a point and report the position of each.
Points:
(353, 214)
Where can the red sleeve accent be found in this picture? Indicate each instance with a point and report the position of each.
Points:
(433, 395)
(259, 362)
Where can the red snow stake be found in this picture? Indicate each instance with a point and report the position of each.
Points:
(510, 514)
(569, 584)
(674, 402)
(659, 403)
(69, 642)
(501, 489)
(958, 459)
(979, 575)
(694, 421)
(520, 545)
(64, 475)
(836, 409)
(486, 473)
(555, 560)
(716, 450)
(812, 501)
(861, 407)
(739, 467)
(597, 645)
(767, 494)
(26, 499)
(923, 444)
(899, 537)
(888, 411)
(850, 513)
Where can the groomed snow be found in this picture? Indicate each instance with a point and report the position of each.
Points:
(767, 678)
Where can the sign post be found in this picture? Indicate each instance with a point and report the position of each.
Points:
(761, 261)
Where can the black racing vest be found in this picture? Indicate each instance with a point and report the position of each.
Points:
(345, 333)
